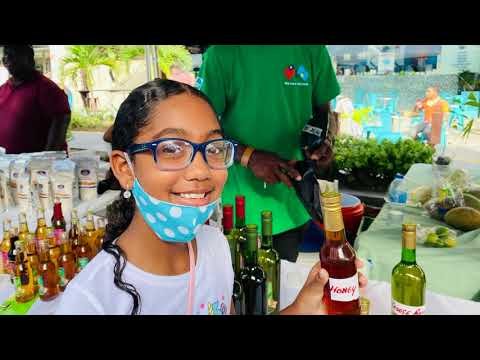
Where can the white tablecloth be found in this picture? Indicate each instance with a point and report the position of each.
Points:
(293, 276)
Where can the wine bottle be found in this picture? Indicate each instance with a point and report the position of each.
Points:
(229, 232)
(24, 284)
(66, 263)
(269, 260)
(241, 232)
(47, 276)
(238, 298)
(252, 276)
(341, 294)
(408, 279)
(58, 221)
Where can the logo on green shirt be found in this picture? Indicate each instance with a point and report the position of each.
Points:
(299, 75)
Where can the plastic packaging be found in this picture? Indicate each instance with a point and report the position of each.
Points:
(87, 178)
(5, 194)
(24, 193)
(396, 194)
(63, 176)
(18, 168)
(44, 192)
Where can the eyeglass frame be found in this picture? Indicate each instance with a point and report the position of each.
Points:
(152, 146)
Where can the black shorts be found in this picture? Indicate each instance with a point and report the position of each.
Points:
(288, 243)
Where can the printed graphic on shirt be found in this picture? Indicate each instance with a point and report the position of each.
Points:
(217, 307)
(296, 76)
(199, 83)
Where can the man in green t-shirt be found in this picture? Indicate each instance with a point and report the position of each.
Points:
(264, 96)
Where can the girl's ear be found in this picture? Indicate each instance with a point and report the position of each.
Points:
(121, 170)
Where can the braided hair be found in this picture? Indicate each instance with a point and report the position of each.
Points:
(132, 116)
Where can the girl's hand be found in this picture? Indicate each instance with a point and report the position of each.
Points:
(309, 300)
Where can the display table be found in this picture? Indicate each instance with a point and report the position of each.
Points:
(293, 276)
(449, 271)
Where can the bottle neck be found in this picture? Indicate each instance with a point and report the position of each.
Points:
(334, 227)
(239, 222)
(250, 252)
(408, 256)
(57, 211)
(409, 239)
(250, 257)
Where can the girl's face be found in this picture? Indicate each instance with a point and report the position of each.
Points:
(185, 117)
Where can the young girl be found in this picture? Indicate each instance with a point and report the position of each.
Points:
(169, 156)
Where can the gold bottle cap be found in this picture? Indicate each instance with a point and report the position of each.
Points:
(409, 236)
(409, 227)
(364, 306)
(331, 200)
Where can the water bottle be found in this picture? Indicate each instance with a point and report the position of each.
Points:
(395, 194)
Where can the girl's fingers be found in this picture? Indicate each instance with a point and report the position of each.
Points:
(362, 280)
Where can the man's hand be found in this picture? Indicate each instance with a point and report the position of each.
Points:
(309, 300)
(323, 155)
(271, 169)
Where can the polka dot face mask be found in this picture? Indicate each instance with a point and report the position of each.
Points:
(171, 222)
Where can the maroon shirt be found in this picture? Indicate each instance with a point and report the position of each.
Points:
(27, 112)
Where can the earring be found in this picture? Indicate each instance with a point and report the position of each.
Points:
(127, 194)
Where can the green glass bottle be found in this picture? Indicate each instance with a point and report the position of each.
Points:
(252, 276)
(408, 279)
(230, 233)
(269, 260)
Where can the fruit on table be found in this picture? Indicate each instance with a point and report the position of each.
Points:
(441, 237)
(463, 218)
(472, 201)
(473, 190)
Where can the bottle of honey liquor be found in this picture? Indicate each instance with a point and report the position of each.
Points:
(66, 263)
(47, 277)
(32, 257)
(341, 295)
(100, 234)
(54, 250)
(23, 227)
(12, 253)
(90, 233)
(74, 234)
(84, 252)
(5, 248)
(24, 284)
(41, 232)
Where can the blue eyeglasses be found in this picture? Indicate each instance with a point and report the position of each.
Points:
(172, 154)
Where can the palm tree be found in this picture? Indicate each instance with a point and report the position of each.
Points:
(79, 65)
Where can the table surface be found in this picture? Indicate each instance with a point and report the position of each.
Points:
(293, 276)
(449, 271)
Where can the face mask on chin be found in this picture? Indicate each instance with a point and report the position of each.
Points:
(170, 222)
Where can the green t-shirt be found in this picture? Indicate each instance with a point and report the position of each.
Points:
(264, 96)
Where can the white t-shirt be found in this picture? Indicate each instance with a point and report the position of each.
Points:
(93, 292)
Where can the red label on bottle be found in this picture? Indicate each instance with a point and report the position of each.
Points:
(402, 309)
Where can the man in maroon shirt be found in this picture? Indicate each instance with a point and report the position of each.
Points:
(34, 111)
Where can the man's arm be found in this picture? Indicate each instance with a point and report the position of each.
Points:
(58, 133)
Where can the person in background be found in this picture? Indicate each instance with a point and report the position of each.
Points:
(264, 96)
(435, 111)
(34, 111)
